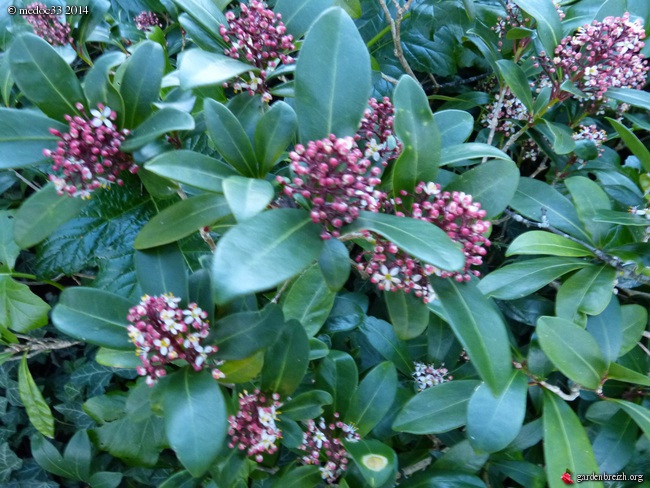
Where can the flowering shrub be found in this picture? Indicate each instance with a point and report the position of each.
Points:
(376, 243)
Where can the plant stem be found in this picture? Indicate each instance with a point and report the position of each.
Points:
(36, 278)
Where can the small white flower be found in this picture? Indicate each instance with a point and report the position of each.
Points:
(319, 438)
(387, 279)
(591, 71)
(431, 188)
(102, 117)
(373, 149)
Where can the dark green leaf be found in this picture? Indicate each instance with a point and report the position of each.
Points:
(38, 411)
(538, 201)
(633, 143)
(480, 329)
(201, 68)
(20, 309)
(639, 414)
(332, 78)
(460, 153)
(455, 126)
(286, 361)
(421, 239)
(621, 373)
(493, 422)
(637, 98)
(572, 350)
(376, 461)
(138, 91)
(548, 25)
(48, 458)
(492, 184)
(305, 406)
(164, 121)
(184, 218)
(607, 329)
(614, 443)
(516, 80)
(42, 213)
(275, 131)
(418, 131)
(309, 301)
(408, 314)
(443, 479)
(621, 218)
(247, 197)
(634, 319)
(162, 270)
(298, 15)
(44, 77)
(566, 445)
(521, 279)
(230, 138)
(381, 336)
(338, 375)
(78, 455)
(93, 316)
(438, 409)
(263, 252)
(373, 398)
(588, 291)
(541, 242)
(195, 419)
(192, 168)
(98, 87)
(207, 13)
(334, 262)
(240, 335)
(24, 136)
(299, 477)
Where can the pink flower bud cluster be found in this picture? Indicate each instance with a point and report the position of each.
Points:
(502, 114)
(392, 269)
(336, 180)
(426, 375)
(253, 429)
(377, 131)
(323, 446)
(88, 156)
(147, 20)
(47, 26)
(514, 19)
(259, 36)
(163, 332)
(602, 55)
(591, 133)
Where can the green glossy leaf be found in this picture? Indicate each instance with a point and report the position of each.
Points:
(191, 168)
(93, 316)
(332, 79)
(338, 375)
(493, 422)
(549, 27)
(43, 213)
(417, 130)
(633, 143)
(78, 455)
(438, 409)
(588, 291)
(443, 479)
(382, 337)
(634, 318)
(230, 138)
(517, 81)
(23, 137)
(206, 12)
(408, 314)
(535, 199)
(480, 329)
(275, 131)
(309, 301)
(317, 349)
(298, 15)
(572, 350)
(525, 473)
(334, 262)
(461, 457)
(470, 150)
(566, 445)
(639, 414)
(621, 218)
(99, 89)
(198, 35)
(307, 405)
(492, 184)
(375, 460)
(589, 198)
(373, 398)
(9, 250)
(247, 197)
(637, 98)
(454, 126)
(242, 370)
(183, 219)
(614, 443)
(240, 335)
(201, 68)
(541, 242)
(299, 477)
(20, 309)
(421, 239)
(44, 77)
(559, 135)
(263, 252)
(47, 457)
(38, 411)
(195, 419)
(117, 359)
(286, 361)
(162, 270)
(160, 123)
(621, 373)
(521, 279)
(607, 328)
(138, 91)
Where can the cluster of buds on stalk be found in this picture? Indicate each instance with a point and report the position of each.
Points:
(427, 375)
(48, 26)
(146, 20)
(253, 429)
(163, 332)
(88, 156)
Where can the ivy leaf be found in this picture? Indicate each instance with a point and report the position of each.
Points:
(8, 462)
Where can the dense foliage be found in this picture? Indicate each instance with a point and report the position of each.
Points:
(324, 242)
